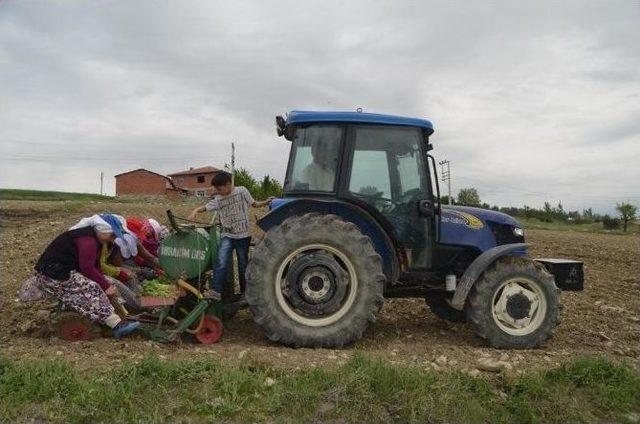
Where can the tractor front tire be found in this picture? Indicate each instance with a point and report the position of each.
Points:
(315, 281)
(514, 304)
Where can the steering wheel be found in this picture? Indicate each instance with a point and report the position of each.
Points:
(410, 196)
(382, 204)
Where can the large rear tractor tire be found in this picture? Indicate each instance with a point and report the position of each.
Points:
(315, 281)
(514, 304)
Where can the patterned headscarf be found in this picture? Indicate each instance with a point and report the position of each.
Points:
(114, 222)
(159, 230)
(126, 241)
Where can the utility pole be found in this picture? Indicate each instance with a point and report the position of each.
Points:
(101, 182)
(233, 162)
(445, 175)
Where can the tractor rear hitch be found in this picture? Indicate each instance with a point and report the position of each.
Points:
(568, 273)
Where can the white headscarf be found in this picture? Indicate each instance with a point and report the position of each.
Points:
(94, 221)
(128, 245)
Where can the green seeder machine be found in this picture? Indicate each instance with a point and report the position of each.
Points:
(188, 256)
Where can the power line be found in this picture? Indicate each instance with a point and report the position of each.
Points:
(446, 175)
(125, 159)
(233, 162)
(74, 157)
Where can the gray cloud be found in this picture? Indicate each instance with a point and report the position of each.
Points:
(531, 102)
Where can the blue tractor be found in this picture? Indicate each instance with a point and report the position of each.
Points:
(361, 221)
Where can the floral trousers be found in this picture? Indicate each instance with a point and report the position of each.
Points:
(79, 293)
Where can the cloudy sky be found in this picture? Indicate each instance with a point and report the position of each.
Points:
(531, 101)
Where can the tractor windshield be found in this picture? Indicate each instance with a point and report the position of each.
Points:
(314, 159)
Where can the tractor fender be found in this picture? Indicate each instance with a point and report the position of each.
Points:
(349, 212)
(478, 266)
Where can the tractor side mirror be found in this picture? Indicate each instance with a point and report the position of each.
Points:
(280, 125)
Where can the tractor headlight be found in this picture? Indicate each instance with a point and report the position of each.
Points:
(517, 231)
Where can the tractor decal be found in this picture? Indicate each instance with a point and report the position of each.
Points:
(463, 218)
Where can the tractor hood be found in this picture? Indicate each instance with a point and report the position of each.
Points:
(476, 227)
(484, 214)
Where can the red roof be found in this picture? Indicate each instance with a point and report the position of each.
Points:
(150, 172)
(194, 171)
(141, 169)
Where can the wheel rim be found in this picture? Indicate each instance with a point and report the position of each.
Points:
(519, 306)
(210, 331)
(318, 286)
(74, 331)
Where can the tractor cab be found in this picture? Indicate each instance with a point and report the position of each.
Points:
(376, 162)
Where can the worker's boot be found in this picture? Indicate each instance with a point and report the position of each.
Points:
(124, 328)
(212, 295)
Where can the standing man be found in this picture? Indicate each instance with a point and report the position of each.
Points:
(232, 204)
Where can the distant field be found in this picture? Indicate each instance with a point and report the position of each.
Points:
(596, 227)
(16, 194)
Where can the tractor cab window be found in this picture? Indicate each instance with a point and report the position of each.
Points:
(388, 173)
(314, 159)
(387, 169)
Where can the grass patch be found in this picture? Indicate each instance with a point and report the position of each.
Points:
(17, 194)
(595, 227)
(362, 390)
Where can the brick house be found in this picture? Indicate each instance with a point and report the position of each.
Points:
(197, 181)
(142, 182)
(146, 183)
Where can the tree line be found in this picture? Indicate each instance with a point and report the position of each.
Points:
(549, 213)
(259, 189)
(268, 186)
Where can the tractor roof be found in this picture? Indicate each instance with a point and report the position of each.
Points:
(307, 117)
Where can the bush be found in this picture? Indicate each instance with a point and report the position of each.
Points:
(609, 223)
(468, 197)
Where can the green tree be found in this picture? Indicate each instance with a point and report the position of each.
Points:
(548, 212)
(259, 190)
(370, 191)
(468, 197)
(242, 177)
(588, 215)
(270, 187)
(609, 223)
(444, 199)
(627, 212)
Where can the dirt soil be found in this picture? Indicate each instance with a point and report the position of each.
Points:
(603, 319)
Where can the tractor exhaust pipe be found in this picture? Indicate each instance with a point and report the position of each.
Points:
(450, 282)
